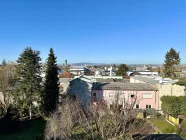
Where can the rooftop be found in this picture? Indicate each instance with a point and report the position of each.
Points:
(146, 80)
(124, 86)
(77, 67)
(154, 80)
(65, 75)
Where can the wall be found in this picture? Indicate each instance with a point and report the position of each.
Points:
(64, 84)
(171, 90)
(104, 95)
(81, 90)
(173, 120)
(135, 81)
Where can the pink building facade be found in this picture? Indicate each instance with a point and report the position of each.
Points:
(141, 95)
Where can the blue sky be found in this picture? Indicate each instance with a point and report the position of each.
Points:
(106, 31)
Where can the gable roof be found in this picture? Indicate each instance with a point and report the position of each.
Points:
(124, 86)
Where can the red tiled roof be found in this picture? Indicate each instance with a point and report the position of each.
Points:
(65, 75)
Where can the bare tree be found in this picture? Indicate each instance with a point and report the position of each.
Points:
(74, 121)
(120, 120)
(62, 122)
(7, 74)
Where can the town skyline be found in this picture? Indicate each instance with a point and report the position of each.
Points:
(61, 60)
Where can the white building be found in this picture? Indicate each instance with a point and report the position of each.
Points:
(78, 70)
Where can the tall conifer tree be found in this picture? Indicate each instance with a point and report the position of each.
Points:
(51, 85)
(27, 93)
(172, 59)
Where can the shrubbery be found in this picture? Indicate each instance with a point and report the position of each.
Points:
(174, 105)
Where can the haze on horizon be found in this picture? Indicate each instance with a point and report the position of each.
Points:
(131, 31)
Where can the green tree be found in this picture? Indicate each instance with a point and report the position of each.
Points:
(27, 93)
(172, 59)
(51, 85)
(4, 62)
(122, 70)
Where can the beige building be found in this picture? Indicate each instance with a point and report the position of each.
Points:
(164, 87)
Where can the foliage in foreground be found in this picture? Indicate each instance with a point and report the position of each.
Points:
(73, 121)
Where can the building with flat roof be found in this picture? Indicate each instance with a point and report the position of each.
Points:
(78, 70)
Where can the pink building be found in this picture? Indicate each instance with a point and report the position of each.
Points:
(140, 94)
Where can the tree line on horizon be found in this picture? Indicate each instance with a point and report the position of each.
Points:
(172, 59)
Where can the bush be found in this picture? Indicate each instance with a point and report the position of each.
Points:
(174, 105)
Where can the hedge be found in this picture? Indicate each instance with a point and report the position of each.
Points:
(174, 105)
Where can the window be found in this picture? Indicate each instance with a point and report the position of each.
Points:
(148, 106)
(94, 97)
(94, 94)
(147, 95)
(137, 106)
(132, 96)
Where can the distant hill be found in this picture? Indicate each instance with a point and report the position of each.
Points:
(87, 63)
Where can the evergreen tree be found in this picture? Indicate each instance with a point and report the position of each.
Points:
(172, 59)
(4, 62)
(27, 93)
(51, 85)
(122, 70)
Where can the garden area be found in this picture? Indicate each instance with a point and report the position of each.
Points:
(165, 127)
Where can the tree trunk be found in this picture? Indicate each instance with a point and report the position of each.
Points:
(30, 112)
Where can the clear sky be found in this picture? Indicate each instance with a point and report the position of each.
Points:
(106, 31)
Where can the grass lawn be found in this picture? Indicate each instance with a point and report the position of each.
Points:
(27, 130)
(165, 127)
